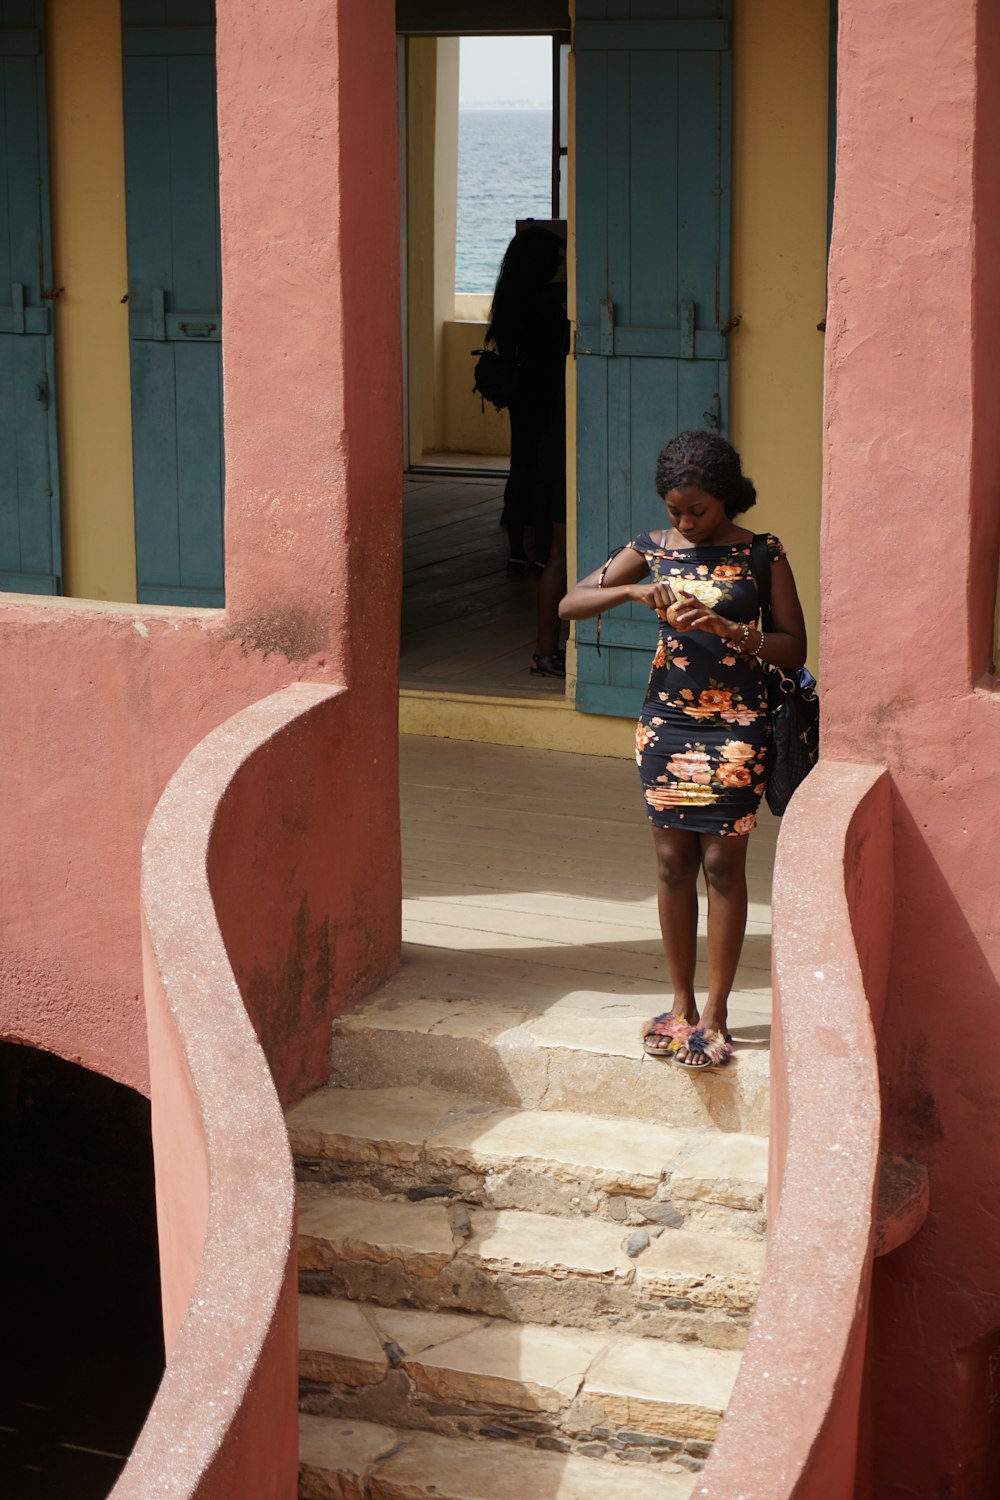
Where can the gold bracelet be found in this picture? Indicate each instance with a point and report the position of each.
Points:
(742, 639)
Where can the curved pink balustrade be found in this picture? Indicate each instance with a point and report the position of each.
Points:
(791, 1429)
(248, 931)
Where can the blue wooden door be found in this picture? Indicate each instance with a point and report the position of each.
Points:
(29, 482)
(175, 322)
(653, 113)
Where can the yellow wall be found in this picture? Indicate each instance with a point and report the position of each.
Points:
(88, 213)
(781, 52)
(470, 424)
(431, 197)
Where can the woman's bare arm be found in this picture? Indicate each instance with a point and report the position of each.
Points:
(622, 585)
(785, 643)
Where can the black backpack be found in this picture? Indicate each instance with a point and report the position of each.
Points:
(495, 378)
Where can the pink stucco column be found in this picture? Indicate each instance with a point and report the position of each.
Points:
(909, 553)
(102, 703)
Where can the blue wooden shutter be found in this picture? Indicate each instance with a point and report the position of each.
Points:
(653, 126)
(29, 485)
(175, 321)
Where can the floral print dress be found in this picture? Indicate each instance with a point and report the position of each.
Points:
(704, 731)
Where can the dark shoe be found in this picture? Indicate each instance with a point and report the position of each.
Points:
(518, 565)
(548, 666)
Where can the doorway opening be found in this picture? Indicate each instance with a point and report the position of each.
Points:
(82, 1351)
(484, 149)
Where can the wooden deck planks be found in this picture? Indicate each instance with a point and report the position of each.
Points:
(467, 626)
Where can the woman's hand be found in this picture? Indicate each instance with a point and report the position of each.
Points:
(656, 596)
(682, 610)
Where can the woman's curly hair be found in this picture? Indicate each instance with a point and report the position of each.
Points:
(705, 461)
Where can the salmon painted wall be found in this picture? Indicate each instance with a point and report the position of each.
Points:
(910, 539)
(102, 703)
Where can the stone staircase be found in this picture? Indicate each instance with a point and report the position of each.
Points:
(528, 1253)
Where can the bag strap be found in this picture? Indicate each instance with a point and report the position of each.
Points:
(600, 585)
(760, 567)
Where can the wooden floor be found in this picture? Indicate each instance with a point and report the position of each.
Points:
(467, 625)
(529, 878)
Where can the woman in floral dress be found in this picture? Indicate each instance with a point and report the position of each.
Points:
(703, 733)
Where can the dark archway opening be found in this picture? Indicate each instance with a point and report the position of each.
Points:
(81, 1353)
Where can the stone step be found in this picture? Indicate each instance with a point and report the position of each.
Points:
(343, 1460)
(425, 1144)
(557, 1389)
(558, 1059)
(530, 1267)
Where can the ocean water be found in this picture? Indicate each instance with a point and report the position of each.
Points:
(504, 174)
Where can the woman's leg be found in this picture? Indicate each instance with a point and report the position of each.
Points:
(550, 528)
(678, 859)
(517, 495)
(551, 587)
(724, 862)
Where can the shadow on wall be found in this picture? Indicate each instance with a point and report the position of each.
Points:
(82, 1349)
(937, 1059)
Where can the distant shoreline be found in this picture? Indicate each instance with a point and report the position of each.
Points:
(505, 108)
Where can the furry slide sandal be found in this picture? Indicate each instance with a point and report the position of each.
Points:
(675, 1027)
(715, 1047)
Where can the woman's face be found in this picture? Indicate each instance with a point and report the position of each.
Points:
(697, 515)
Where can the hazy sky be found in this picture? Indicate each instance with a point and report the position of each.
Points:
(506, 67)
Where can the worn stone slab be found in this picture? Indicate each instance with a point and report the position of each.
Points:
(430, 1014)
(338, 1344)
(526, 1366)
(728, 1168)
(413, 1330)
(333, 1229)
(428, 1467)
(529, 1268)
(615, 1156)
(363, 1125)
(408, 1126)
(336, 1458)
(601, 1068)
(431, 1043)
(583, 1382)
(645, 1385)
(525, 1244)
(707, 1269)
(560, 1061)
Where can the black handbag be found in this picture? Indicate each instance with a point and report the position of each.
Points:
(495, 378)
(792, 701)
